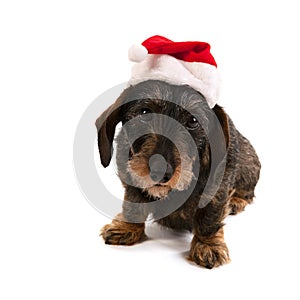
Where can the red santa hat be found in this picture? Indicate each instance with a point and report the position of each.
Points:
(179, 63)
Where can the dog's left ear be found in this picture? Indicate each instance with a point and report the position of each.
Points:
(223, 119)
(219, 134)
(106, 125)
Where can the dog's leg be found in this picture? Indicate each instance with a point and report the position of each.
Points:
(237, 205)
(208, 248)
(248, 171)
(128, 227)
(239, 200)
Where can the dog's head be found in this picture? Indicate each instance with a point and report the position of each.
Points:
(165, 130)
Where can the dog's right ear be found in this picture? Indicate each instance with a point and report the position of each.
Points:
(106, 125)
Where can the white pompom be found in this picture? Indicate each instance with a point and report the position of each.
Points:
(137, 53)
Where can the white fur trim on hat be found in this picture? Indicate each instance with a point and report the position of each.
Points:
(201, 76)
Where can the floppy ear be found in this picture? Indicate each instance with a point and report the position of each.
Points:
(106, 125)
(219, 135)
(223, 119)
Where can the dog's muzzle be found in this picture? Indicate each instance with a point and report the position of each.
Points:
(160, 170)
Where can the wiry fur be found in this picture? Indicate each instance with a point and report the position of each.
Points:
(236, 189)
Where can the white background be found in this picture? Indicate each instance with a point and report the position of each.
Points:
(56, 57)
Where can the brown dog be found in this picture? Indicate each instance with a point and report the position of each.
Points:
(197, 169)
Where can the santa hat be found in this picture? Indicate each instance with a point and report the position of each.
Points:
(179, 63)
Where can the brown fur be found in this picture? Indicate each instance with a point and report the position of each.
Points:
(237, 205)
(209, 252)
(218, 143)
(138, 167)
(123, 233)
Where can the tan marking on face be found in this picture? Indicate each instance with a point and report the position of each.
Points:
(182, 176)
(138, 167)
(159, 191)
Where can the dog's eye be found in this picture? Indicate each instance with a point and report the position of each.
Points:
(192, 123)
(146, 114)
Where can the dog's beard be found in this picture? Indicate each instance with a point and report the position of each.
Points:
(183, 175)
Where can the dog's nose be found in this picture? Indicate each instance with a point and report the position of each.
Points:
(160, 170)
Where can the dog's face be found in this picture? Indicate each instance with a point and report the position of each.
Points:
(164, 133)
(155, 164)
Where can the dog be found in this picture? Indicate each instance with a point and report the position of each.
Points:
(160, 161)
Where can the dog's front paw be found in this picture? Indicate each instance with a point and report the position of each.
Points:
(122, 233)
(209, 255)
